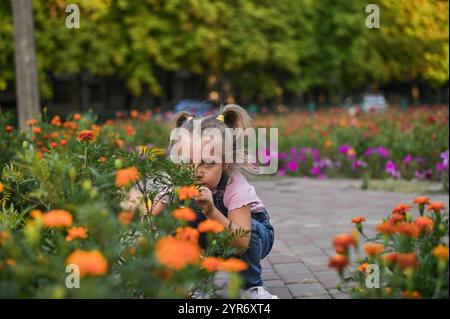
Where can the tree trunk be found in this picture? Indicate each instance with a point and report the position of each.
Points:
(27, 91)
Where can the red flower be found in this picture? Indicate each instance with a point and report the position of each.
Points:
(85, 135)
(436, 207)
(422, 200)
(401, 209)
(338, 261)
(358, 220)
(9, 128)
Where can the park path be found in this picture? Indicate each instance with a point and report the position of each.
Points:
(306, 214)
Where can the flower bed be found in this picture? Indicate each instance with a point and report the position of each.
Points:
(62, 193)
(407, 258)
(332, 143)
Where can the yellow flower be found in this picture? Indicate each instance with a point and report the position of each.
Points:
(441, 252)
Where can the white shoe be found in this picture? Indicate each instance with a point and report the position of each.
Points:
(259, 292)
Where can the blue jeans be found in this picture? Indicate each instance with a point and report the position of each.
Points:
(261, 242)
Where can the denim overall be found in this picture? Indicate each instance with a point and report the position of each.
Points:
(261, 240)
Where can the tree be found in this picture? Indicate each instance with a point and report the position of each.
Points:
(28, 101)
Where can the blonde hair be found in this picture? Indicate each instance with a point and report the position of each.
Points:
(231, 116)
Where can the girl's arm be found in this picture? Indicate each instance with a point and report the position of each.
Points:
(237, 219)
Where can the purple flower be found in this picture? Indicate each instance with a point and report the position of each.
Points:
(315, 171)
(282, 156)
(343, 149)
(293, 151)
(420, 160)
(358, 164)
(408, 159)
(419, 175)
(444, 157)
(392, 170)
(380, 150)
(281, 172)
(440, 167)
(292, 166)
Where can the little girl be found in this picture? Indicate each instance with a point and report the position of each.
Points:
(227, 197)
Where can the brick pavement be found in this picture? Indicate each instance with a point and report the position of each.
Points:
(306, 214)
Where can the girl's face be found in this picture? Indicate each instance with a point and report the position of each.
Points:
(208, 172)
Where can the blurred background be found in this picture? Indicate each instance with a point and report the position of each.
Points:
(268, 56)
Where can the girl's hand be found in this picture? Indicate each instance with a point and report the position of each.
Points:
(205, 201)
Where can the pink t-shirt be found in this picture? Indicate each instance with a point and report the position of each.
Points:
(239, 193)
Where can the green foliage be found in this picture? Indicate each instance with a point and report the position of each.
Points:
(261, 48)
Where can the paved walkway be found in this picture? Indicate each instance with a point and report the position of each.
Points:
(306, 214)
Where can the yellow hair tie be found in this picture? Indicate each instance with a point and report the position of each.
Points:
(221, 118)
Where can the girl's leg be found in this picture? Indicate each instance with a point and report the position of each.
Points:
(261, 242)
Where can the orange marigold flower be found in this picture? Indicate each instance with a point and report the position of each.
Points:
(85, 135)
(338, 261)
(187, 192)
(187, 233)
(422, 200)
(127, 175)
(77, 117)
(54, 135)
(441, 252)
(129, 130)
(344, 241)
(176, 253)
(134, 113)
(401, 209)
(57, 218)
(373, 249)
(10, 262)
(396, 218)
(424, 224)
(210, 226)
(390, 258)
(386, 228)
(36, 213)
(31, 122)
(120, 142)
(125, 218)
(56, 120)
(2, 187)
(89, 262)
(408, 260)
(362, 268)
(37, 130)
(54, 145)
(412, 295)
(436, 207)
(184, 213)
(212, 264)
(233, 265)
(9, 128)
(76, 232)
(63, 142)
(409, 230)
(4, 236)
(358, 220)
